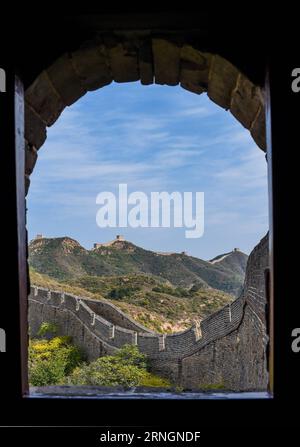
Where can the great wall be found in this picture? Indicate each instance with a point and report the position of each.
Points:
(228, 348)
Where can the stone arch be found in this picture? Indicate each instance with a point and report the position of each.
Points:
(126, 57)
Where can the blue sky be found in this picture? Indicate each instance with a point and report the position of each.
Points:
(153, 138)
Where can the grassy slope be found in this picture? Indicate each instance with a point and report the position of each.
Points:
(64, 259)
(159, 306)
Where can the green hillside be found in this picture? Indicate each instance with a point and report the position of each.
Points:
(64, 259)
(158, 306)
(166, 293)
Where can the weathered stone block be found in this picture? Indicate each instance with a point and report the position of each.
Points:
(146, 62)
(35, 128)
(92, 66)
(27, 183)
(166, 57)
(246, 100)
(223, 79)
(194, 69)
(30, 158)
(123, 59)
(65, 80)
(258, 130)
(44, 99)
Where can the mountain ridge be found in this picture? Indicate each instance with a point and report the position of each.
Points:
(64, 258)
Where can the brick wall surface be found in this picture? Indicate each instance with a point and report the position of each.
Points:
(229, 348)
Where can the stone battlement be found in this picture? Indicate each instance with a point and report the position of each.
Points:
(227, 347)
(119, 238)
(109, 324)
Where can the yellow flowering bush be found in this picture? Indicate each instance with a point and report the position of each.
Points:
(50, 361)
(56, 361)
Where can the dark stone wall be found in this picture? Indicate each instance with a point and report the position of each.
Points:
(238, 360)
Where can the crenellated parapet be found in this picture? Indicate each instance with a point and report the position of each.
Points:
(94, 314)
(228, 347)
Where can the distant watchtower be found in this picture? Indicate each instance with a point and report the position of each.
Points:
(236, 249)
(119, 237)
(39, 236)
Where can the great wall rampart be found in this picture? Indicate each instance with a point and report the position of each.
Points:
(227, 348)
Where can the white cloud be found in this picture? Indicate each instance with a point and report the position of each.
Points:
(171, 142)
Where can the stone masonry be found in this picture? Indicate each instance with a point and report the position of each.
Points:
(227, 349)
(144, 56)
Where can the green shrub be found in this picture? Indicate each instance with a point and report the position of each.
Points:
(126, 368)
(56, 361)
(121, 292)
(164, 289)
(47, 372)
(50, 361)
(107, 371)
(182, 292)
(130, 355)
(47, 329)
(157, 289)
(152, 380)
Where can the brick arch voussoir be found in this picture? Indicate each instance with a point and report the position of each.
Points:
(150, 59)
